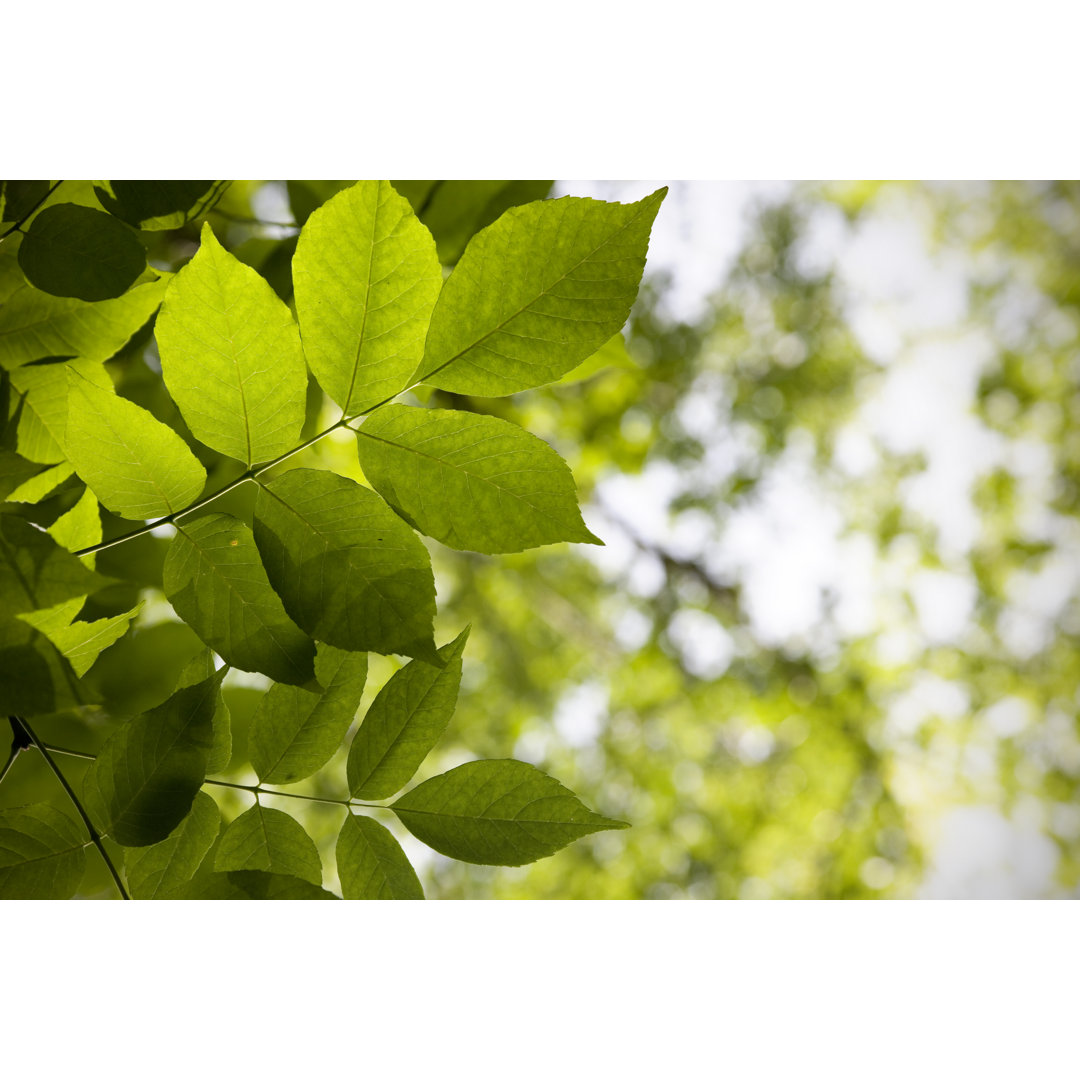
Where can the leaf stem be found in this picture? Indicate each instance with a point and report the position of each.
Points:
(17, 227)
(94, 836)
(15, 751)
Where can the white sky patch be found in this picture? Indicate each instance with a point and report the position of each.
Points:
(944, 604)
(705, 647)
(580, 715)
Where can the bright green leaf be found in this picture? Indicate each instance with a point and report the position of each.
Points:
(35, 489)
(403, 723)
(80, 642)
(160, 868)
(266, 839)
(504, 813)
(349, 571)
(80, 527)
(295, 732)
(366, 278)
(146, 776)
(215, 580)
(612, 354)
(473, 482)
(34, 324)
(14, 472)
(42, 854)
(371, 864)
(231, 357)
(536, 293)
(137, 466)
(74, 251)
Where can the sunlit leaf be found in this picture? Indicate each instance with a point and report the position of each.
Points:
(403, 723)
(154, 205)
(158, 869)
(503, 812)
(42, 853)
(371, 864)
(473, 482)
(266, 839)
(536, 293)
(80, 642)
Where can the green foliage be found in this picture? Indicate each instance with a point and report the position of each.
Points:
(290, 574)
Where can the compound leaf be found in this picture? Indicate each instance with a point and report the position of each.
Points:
(75, 251)
(476, 483)
(295, 732)
(137, 466)
(371, 864)
(266, 839)
(503, 812)
(35, 325)
(231, 357)
(404, 722)
(536, 293)
(366, 278)
(158, 869)
(215, 580)
(144, 780)
(42, 854)
(349, 571)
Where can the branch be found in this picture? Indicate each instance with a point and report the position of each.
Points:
(75, 800)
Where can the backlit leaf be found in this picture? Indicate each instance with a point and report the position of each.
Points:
(371, 864)
(74, 251)
(231, 357)
(215, 580)
(199, 667)
(158, 869)
(266, 839)
(366, 277)
(403, 723)
(349, 571)
(249, 885)
(473, 482)
(36, 488)
(536, 293)
(295, 732)
(504, 812)
(42, 853)
(146, 776)
(19, 197)
(137, 466)
(81, 642)
(154, 205)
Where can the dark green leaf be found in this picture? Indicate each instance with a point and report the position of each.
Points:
(159, 204)
(34, 325)
(160, 868)
(349, 571)
(250, 885)
(536, 293)
(137, 466)
(231, 357)
(295, 732)
(214, 578)
(265, 839)
(42, 854)
(71, 250)
(473, 482)
(14, 472)
(366, 277)
(19, 197)
(371, 864)
(504, 813)
(404, 722)
(199, 667)
(144, 780)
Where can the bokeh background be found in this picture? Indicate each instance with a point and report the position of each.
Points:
(830, 649)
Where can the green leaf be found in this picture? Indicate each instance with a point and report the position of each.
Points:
(265, 839)
(371, 864)
(504, 813)
(80, 527)
(80, 642)
(215, 580)
(35, 325)
(137, 466)
(160, 868)
(612, 354)
(199, 667)
(349, 571)
(35, 489)
(155, 205)
(536, 293)
(249, 885)
(74, 251)
(14, 472)
(366, 278)
(404, 722)
(231, 357)
(144, 780)
(295, 732)
(43, 390)
(19, 197)
(42, 854)
(476, 483)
